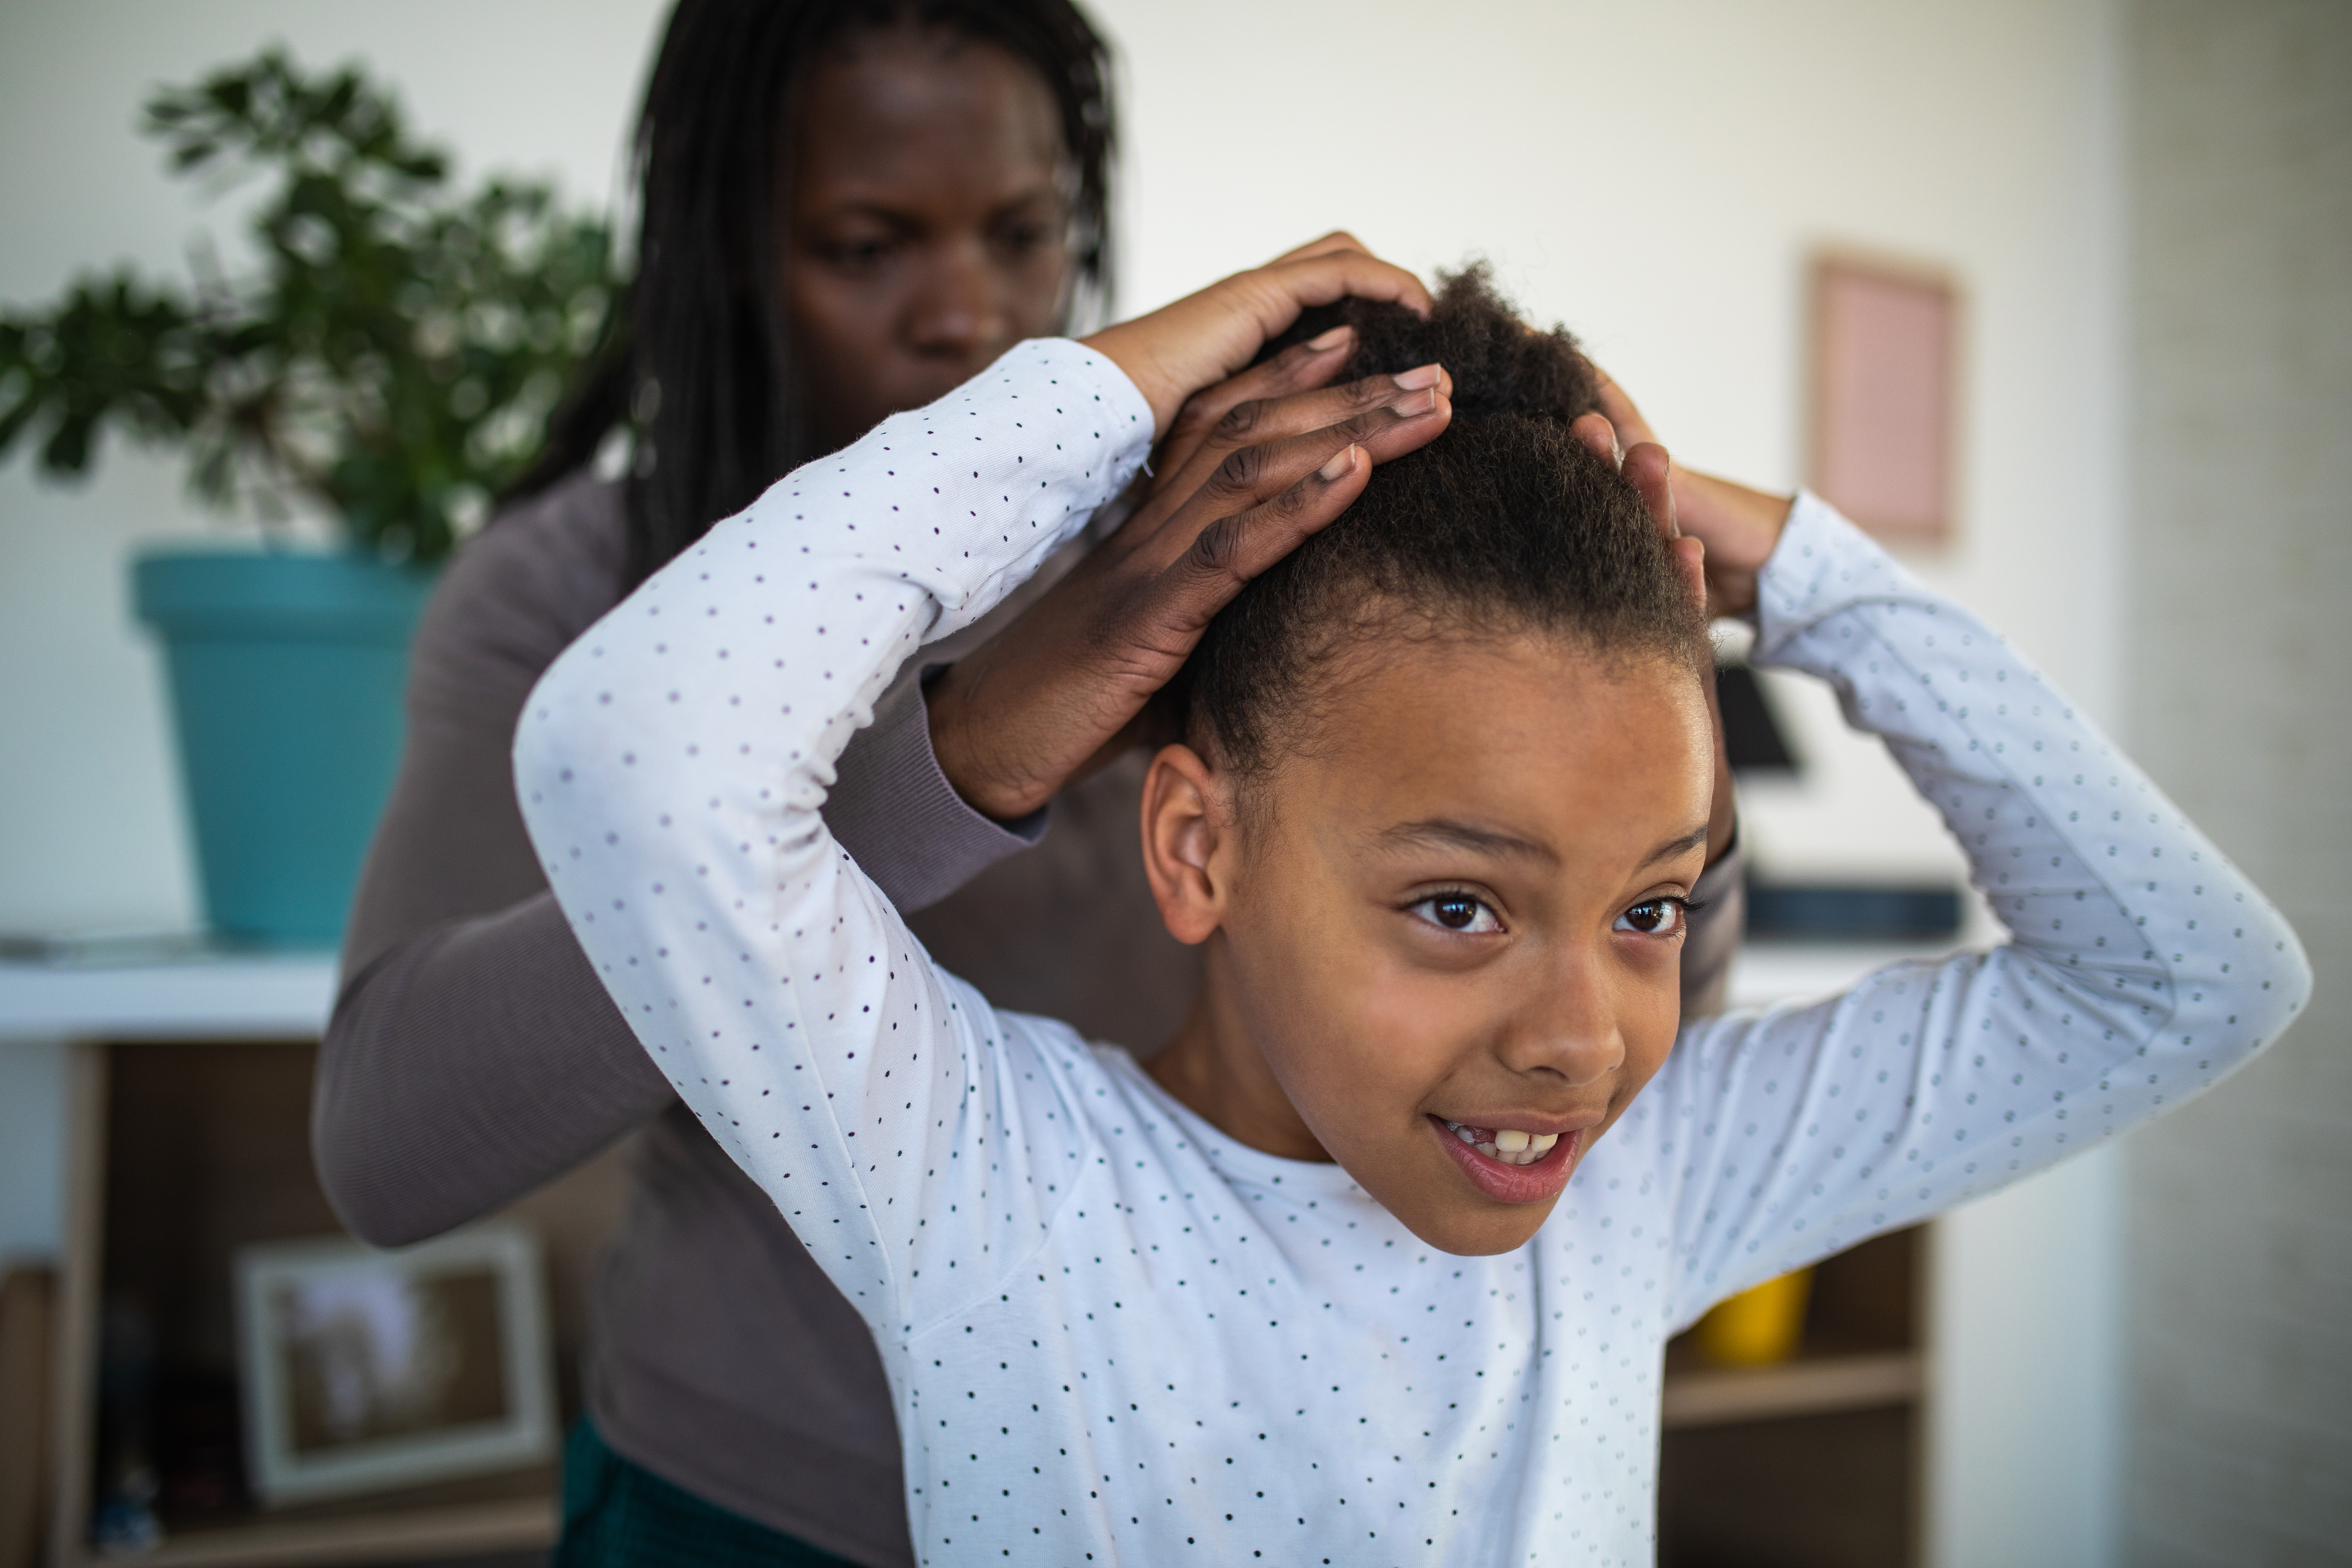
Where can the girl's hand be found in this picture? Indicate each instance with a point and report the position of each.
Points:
(1662, 484)
(1253, 469)
(1738, 526)
(1204, 338)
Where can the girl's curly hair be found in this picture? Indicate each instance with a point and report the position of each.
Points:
(1504, 524)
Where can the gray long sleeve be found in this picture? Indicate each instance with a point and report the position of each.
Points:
(473, 1053)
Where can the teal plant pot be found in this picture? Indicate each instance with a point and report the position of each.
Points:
(285, 674)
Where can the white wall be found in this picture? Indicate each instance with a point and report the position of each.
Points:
(91, 835)
(1652, 175)
(2241, 1253)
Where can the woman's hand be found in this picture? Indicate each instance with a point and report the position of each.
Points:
(1251, 469)
(1738, 526)
(1179, 348)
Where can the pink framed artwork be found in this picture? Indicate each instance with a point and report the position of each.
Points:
(1886, 395)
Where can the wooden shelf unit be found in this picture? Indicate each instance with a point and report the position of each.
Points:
(1817, 1462)
(183, 1151)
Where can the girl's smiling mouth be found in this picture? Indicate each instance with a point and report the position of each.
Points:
(1510, 1166)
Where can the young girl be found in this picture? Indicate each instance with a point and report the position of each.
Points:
(1378, 1261)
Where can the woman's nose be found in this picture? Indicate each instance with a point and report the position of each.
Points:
(957, 311)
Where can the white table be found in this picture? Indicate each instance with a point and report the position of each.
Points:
(202, 996)
(288, 996)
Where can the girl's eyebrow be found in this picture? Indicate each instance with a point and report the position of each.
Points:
(1672, 847)
(1443, 833)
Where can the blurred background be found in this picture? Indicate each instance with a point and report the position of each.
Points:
(2142, 210)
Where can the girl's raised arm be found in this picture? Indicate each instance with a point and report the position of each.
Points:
(672, 764)
(2142, 965)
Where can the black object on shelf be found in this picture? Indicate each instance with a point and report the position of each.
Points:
(1752, 737)
(1835, 913)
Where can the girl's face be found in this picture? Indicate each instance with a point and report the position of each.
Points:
(1456, 908)
(928, 224)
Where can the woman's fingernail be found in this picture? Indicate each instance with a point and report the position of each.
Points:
(1413, 405)
(1414, 380)
(1330, 340)
(1339, 467)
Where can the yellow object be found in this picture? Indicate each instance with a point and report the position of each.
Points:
(1759, 1327)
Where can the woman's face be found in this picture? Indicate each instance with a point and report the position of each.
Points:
(929, 222)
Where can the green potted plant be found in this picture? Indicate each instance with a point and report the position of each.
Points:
(393, 361)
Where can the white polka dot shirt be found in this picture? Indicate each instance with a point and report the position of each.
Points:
(1113, 1333)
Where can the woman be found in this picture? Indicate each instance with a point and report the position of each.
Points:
(848, 209)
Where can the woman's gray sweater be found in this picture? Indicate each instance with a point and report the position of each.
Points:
(474, 1054)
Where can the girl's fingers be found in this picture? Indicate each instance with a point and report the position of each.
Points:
(1651, 472)
(1690, 555)
(1631, 429)
(1599, 437)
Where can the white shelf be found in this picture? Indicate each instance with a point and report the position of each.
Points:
(1718, 1397)
(200, 997)
(288, 996)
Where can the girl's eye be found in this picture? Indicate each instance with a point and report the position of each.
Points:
(1459, 912)
(1654, 917)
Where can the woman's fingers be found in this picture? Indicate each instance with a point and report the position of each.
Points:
(1204, 338)
(1250, 475)
(1015, 721)
(1225, 555)
(1338, 239)
(1301, 367)
(1253, 422)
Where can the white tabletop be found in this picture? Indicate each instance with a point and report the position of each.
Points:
(193, 997)
(287, 997)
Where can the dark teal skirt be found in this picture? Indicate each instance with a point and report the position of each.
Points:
(617, 1514)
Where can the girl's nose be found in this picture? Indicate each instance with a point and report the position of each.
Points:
(1569, 1026)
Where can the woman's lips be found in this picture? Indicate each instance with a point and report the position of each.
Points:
(1512, 1184)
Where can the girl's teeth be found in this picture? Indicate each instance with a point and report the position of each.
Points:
(1508, 1146)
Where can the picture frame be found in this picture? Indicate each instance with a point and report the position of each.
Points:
(362, 1370)
(1884, 400)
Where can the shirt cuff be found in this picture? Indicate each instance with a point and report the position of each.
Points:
(1823, 565)
(898, 816)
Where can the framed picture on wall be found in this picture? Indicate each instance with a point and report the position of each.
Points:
(1884, 403)
(363, 1370)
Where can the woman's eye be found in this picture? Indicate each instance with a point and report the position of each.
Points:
(1458, 912)
(1022, 238)
(857, 255)
(1654, 917)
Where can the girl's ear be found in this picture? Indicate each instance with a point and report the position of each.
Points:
(1184, 829)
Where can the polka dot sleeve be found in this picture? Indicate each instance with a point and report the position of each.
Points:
(2142, 965)
(672, 763)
